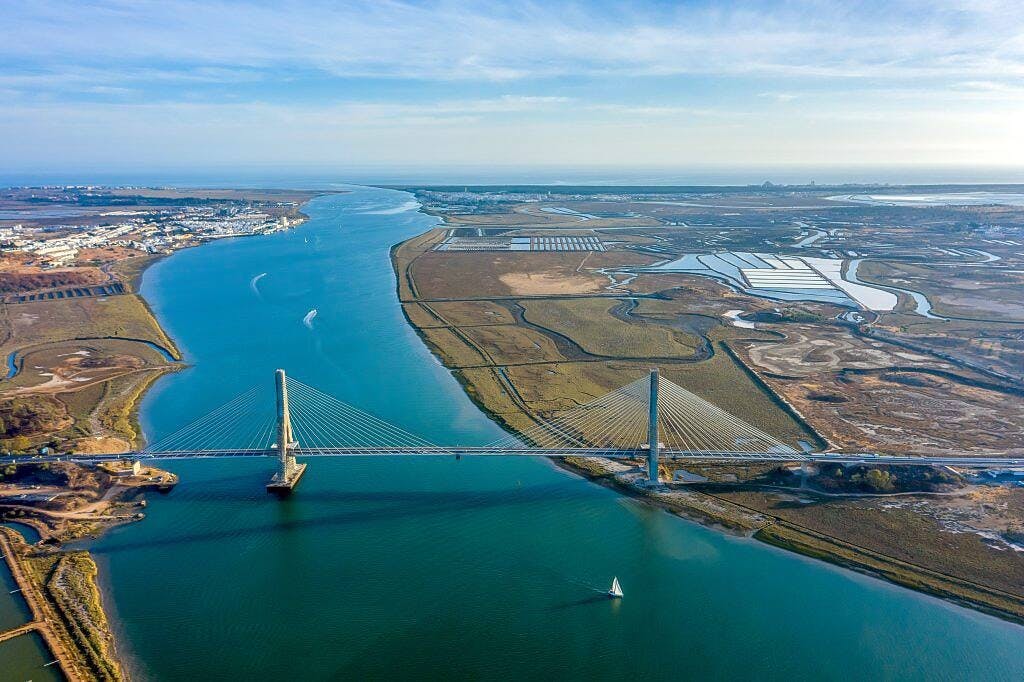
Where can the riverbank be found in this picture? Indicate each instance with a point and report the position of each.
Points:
(526, 549)
(508, 369)
(60, 589)
(96, 404)
(728, 516)
(128, 351)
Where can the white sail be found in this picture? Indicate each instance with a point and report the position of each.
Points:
(616, 590)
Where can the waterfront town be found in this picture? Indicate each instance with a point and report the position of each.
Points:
(58, 243)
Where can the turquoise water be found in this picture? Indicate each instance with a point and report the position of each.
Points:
(431, 568)
(30, 534)
(14, 610)
(25, 658)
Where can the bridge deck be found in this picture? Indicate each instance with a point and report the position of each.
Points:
(711, 457)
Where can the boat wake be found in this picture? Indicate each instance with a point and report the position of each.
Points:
(254, 280)
(308, 319)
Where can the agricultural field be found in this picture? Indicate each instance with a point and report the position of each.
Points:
(934, 368)
(499, 274)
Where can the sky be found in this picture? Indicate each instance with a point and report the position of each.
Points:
(305, 85)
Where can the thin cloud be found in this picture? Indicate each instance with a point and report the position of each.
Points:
(471, 41)
(466, 81)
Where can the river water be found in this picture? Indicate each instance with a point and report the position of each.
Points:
(484, 568)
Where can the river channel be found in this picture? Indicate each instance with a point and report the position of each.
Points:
(441, 569)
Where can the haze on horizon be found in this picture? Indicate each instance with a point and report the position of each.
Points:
(176, 84)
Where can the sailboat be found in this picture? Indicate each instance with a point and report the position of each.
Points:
(616, 591)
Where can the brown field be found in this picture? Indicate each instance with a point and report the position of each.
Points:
(984, 345)
(90, 387)
(547, 389)
(618, 258)
(813, 349)
(510, 219)
(404, 255)
(493, 392)
(15, 277)
(454, 351)
(878, 396)
(539, 284)
(910, 412)
(421, 317)
(698, 295)
(130, 270)
(497, 274)
(972, 293)
(59, 366)
(531, 214)
(105, 254)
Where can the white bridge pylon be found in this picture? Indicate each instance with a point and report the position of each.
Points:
(649, 418)
(653, 416)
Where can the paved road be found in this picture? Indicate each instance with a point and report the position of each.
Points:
(721, 457)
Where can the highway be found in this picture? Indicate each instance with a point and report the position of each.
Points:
(704, 457)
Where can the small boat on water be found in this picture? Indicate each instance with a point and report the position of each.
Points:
(308, 319)
(616, 591)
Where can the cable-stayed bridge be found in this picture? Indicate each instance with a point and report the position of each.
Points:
(650, 419)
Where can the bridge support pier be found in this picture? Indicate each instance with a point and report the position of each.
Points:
(289, 471)
(653, 446)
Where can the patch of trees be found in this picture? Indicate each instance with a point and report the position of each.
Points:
(884, 479)
(43, 473)
(822, 397)
(907, 379)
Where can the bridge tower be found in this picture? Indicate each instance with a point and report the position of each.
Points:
(289, 471)
(653, 446)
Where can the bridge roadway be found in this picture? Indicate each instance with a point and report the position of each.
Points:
(721, 457)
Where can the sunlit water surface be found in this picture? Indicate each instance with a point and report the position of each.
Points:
(429, 569)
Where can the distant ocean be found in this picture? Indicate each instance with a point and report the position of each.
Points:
(325, 178)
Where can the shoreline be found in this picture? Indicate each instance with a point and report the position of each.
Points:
(120, 651)
(792, 538)
(734, 519)
(100, 645)
(46, 618)
(129, 665)
(797, 539)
